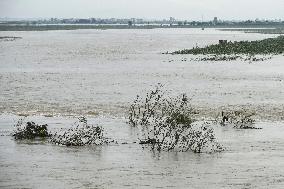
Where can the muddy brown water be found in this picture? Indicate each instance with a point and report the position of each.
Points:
(101, 71)
(63, 74)
(252, 159)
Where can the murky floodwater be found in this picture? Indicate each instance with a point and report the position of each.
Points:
(252, 159)
(98, 73)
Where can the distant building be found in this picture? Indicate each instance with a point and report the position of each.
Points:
(139, 21)
(83, 21)
(215, 21)
(172, 20)
(130, 23)
(133, 20)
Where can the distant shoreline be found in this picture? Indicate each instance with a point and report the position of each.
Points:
(266, 29)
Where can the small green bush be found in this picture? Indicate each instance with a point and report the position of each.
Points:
(80, 135)
(29, 130)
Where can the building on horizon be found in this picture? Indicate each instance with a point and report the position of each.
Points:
(215, 21)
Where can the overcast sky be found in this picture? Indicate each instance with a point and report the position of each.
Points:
(152, 9)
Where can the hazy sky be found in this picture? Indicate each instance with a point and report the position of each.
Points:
(181, 9)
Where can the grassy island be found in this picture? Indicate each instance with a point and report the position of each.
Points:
(260, 47)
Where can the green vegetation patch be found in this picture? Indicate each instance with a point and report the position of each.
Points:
(81, 135)
(29, 130)
(266, 46)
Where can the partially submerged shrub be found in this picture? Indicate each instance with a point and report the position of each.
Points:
(201, 138)
(80, 135)
(157, 105)
(29, 130)
(167, 123)
(241, 119)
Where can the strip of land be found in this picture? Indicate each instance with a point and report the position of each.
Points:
(270, 46)
(257, 30)
(46, 27)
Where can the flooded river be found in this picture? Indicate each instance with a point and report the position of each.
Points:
(54, 76)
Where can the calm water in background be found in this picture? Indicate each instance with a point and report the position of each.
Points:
(99, 73)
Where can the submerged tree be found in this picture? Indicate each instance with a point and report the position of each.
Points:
(167, 123)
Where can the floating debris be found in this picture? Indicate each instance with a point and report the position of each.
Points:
(215, 57)
(9, 38)
(240, 119)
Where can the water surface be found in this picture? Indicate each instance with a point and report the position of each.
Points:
(98, 73)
